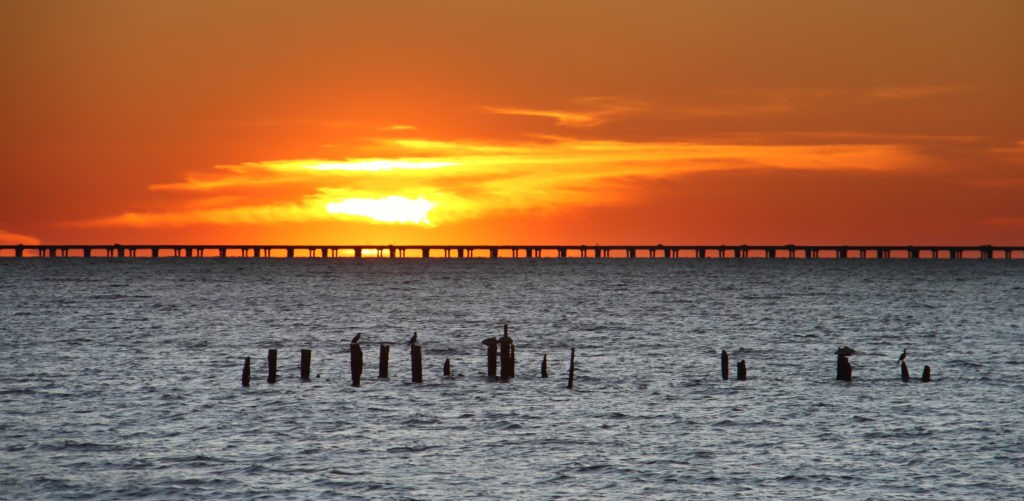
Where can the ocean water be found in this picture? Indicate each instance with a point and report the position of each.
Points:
(121, 379)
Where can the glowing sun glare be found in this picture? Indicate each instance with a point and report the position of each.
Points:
(393, 209)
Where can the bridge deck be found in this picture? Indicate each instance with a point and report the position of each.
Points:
(519, 251)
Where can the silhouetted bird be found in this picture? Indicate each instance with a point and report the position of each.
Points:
(412, 340)
(903, 356)
(356, 339)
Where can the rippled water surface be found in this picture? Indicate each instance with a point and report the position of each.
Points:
(121, 378)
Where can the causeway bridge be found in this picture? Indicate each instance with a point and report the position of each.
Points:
(517, 251)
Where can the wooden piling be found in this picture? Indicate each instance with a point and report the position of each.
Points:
(271, 366)
(741, 370)
(904, 372)
(492, 356)
(304, 364)
(844, 371)
(725, 365)
(447, 369)
(926, 376)
(417, 363)
(382, 365)
(507, 361)
(572, 367)
(544, 366)
(246, 372)
(356, 362)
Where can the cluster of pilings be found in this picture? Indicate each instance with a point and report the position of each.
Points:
(741, 368)
(844, 370)
(501, 363)
(498, 350)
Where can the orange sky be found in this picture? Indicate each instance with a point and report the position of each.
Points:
(575, 122)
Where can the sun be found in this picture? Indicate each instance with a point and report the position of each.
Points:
(392, 209)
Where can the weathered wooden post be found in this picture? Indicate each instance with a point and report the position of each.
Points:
(904, 372)
(417, 363)
(246, 373)
(356, 362)
(544, 366)
(492, 356)
(447, 369)
(508, 370)
(272, 366)
(844, 371)
(741, 370)
(926, 376)
(304, 363)
(382, 365)
(572, 367)
(725, 365)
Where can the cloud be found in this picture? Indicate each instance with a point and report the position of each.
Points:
(596, 111)
(1014, 152)
(454, 180)
(11, 238)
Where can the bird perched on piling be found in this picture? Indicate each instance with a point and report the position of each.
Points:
(903, 356)
(412, 340)
(355, 340)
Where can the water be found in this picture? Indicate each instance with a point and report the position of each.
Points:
(120, 379)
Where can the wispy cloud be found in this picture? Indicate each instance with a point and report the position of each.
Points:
(454, 180)
(11, 238)
(591, 112)
(400, 127)
(1013, 152)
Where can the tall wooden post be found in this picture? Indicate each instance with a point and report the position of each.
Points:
(741, 370)
(356, 362)
(725, 365)
(304, 364)
(382, 366)
(508, 370)
(246, 372)
(492, 356)
(904, 372)
(417, 364)
(544, 366)
(572, 367)
(272, 366)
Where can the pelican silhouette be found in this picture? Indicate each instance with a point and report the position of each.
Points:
(356, 339)
(412, 340)
(903, 356)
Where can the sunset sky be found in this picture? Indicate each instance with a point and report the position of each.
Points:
(543, 122)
